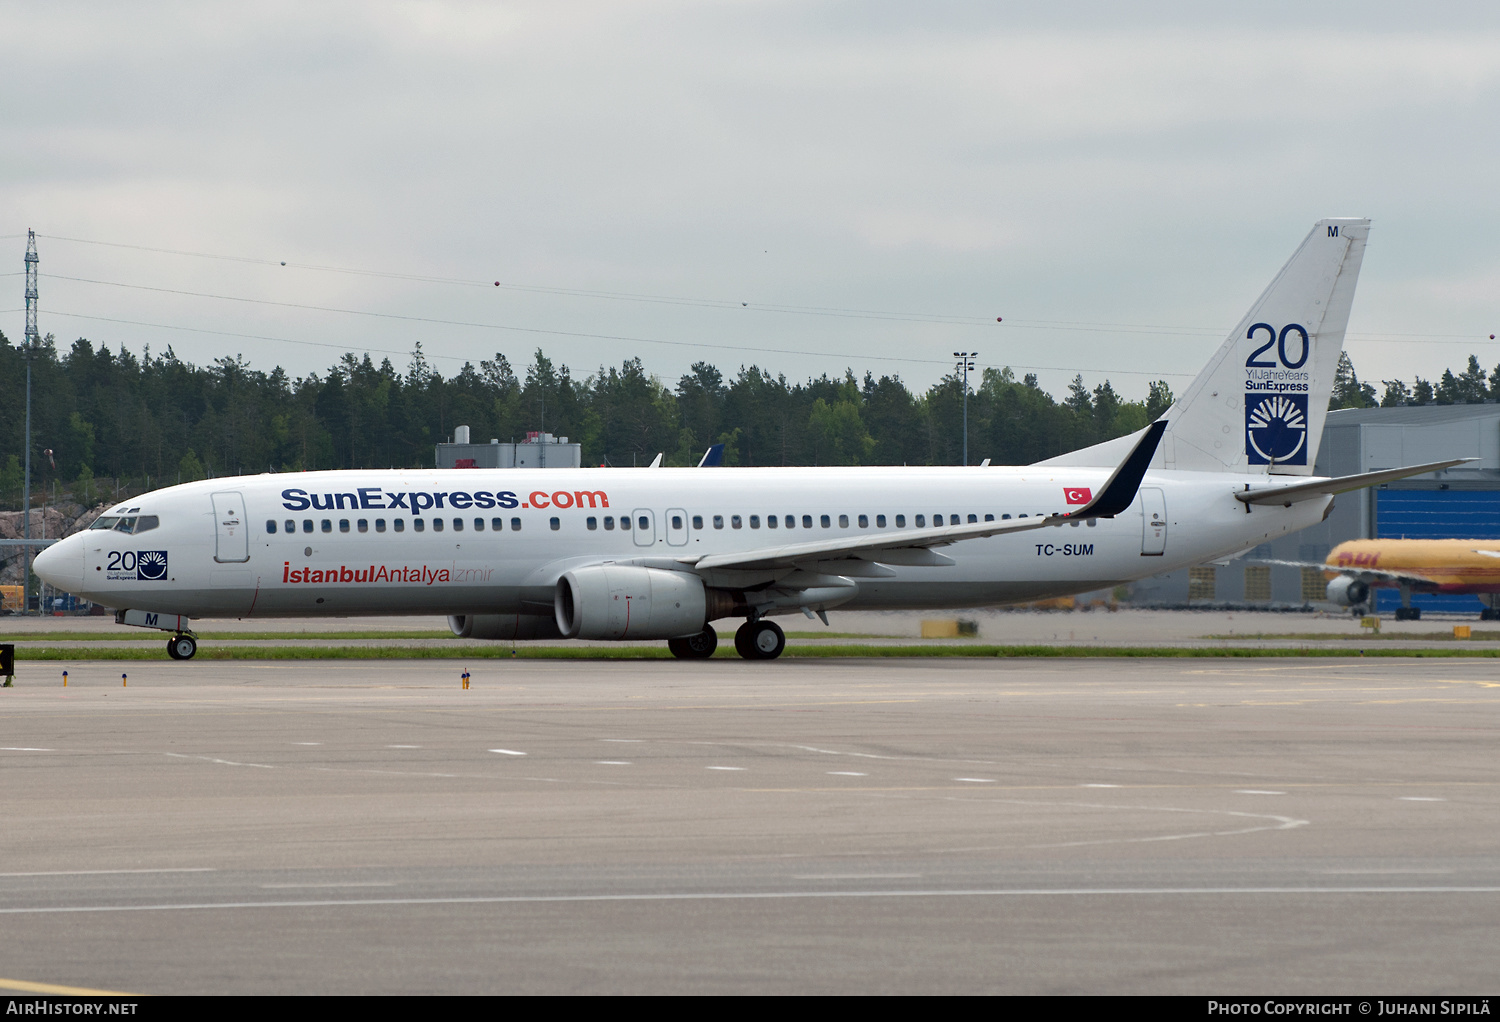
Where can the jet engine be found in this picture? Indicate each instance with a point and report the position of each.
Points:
(503, 626)
(1348, 591)
(614, 601)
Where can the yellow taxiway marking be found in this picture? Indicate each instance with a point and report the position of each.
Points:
(53, 988)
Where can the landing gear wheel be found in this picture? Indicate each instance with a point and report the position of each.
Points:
(1408, 613)
(695, 647)
(759, 640)
(182, 647)
(1489, 614)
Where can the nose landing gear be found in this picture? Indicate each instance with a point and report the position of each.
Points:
(182, 647)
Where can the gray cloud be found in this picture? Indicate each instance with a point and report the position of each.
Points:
(1043, 163)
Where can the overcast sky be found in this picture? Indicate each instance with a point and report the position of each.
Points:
(1117, 181)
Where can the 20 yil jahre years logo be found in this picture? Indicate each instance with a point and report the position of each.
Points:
(1374, 1008)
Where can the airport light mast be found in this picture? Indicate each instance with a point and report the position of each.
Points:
(965, 366)
(32, 342)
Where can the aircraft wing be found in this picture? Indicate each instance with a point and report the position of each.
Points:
(1290, 495)
(1368, 574)
(913, 546)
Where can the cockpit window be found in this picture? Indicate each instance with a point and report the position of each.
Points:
(128, 524)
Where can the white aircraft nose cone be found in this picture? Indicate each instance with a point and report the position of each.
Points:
(61, 565)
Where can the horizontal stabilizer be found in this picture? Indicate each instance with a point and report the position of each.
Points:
(1289, 495)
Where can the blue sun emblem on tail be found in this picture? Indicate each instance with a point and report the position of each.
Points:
(1276, 429)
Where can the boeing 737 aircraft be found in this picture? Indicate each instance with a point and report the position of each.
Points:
(663, 553)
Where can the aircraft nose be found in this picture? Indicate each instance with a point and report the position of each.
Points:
(61, 564)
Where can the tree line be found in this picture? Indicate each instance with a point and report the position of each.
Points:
(115, 422)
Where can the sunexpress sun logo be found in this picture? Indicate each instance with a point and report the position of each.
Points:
(1276, 391)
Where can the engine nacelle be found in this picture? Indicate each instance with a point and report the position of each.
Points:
(503, 626)
(615, 601)
(1348, 591)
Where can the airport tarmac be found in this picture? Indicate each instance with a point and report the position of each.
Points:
(829, 826)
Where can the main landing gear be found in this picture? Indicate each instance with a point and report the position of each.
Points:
(759, 639)
(695, 647)
(182, 647)
(1406, 612)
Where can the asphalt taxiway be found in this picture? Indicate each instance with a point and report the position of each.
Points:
(1037, 826)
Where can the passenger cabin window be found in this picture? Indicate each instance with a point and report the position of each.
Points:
(698, 522)
(677, 521)
(400, 524)
(609, 523)
(363, 525)
(625, 522)
(921, 521)
(973, 518)
(843, 521)
(807, 521)
(458, 525)
(327, 525)
(880, 521)
(989, 518)
(791, 521)
(771, 522)
(419, 524)
(497, 524)
(735, 523)
(479, 525)
(900, 521)
(271, 526)
(556, 524)
(380, 525)
(825, 521)
(437, 525)
(515, 525)
(591, 523)
(864, 521)
(289, 526)
(307, 525)
(755, 521)
(343, 525)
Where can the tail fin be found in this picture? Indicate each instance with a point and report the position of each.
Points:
(1262, 398)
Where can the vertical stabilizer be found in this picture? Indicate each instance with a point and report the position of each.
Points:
(1260, 403)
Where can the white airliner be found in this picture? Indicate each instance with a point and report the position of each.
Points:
(662, 553)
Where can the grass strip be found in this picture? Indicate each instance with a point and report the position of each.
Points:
(1490, 635)
(125, 634)
(502, 652)
(137, 634)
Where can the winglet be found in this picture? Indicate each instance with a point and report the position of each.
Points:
(713, 457)
(1119, 491)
